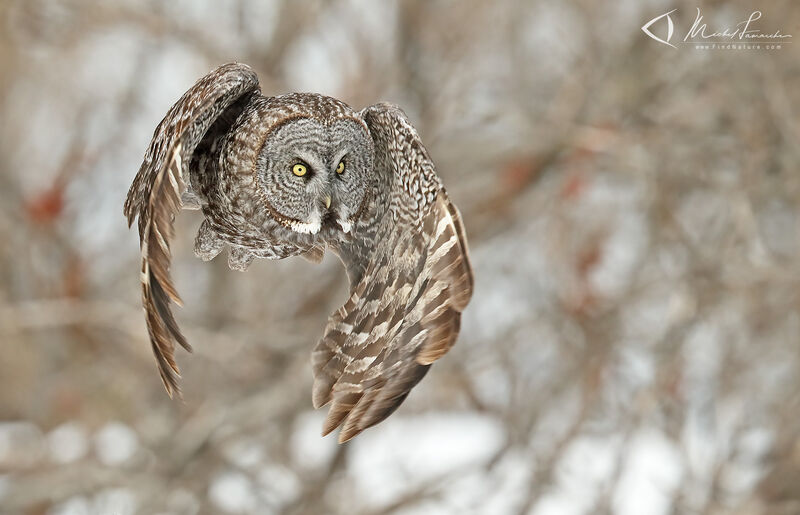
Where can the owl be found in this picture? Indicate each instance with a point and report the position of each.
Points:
(296, 175)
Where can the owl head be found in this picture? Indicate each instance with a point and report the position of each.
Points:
(314, 166)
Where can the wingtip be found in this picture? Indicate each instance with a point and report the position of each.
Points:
(346, 436)
(327, 428)
(320, 395)
(174, 391)
(352, 427)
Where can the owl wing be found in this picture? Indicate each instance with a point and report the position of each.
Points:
(156, 197)
(404, 310)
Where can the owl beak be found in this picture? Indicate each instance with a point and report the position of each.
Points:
(327, 202)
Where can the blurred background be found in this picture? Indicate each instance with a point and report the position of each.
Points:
(633, 210)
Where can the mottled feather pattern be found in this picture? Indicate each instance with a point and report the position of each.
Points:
(405, 311)
(155, 197)
(228, 150)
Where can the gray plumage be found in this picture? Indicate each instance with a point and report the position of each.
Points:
(298, 174)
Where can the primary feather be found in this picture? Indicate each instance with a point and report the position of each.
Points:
(155, 197)
(405, 308)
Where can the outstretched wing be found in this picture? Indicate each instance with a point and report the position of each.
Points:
(155, 197)
(404, 310)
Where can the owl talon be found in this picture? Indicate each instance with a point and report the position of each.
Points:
(190, 200)
(314, 255)
(207, 244)
(239, 259)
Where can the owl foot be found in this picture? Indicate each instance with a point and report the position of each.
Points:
(314, 254)
(239, 259)
(190, 200)
(207, 244)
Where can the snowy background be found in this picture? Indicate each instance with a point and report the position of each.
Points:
(633, 344)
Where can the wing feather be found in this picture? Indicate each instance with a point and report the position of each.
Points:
(156, 197)
(404, 312)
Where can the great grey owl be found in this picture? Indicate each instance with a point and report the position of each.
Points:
(297, 174)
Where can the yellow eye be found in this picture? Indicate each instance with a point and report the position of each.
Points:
(299, 170)
(340, 167)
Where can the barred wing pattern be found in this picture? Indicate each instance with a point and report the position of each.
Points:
(155, 197)
(404, 311)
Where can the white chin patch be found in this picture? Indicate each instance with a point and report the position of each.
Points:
(345, 225)
(310, 227)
